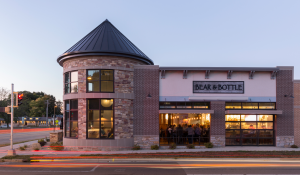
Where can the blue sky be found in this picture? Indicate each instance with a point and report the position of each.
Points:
(211, 33)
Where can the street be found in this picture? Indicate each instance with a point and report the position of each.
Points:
(148, 167)
(24, 134)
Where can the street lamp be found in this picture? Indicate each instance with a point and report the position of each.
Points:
(54, 118)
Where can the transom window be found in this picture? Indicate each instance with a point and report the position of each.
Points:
(71, 82)
(249, 105)
(100, 119)
(100, 81)
(71, 118)
(184, 105)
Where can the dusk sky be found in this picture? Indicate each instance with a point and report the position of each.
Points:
(213, 33)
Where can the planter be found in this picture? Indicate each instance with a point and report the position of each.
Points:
(42, 143)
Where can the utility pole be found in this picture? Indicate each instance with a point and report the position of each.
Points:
(47, 113)
(11, 151)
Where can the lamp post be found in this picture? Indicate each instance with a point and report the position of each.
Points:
(54, 119)
(11, 152)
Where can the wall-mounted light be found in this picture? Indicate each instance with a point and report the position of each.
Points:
(149, 96)
(289, 96)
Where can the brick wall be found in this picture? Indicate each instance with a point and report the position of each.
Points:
(285, 86)
(285, 122)
(97, 61)
(297, 112)
(217, 125)
(146, 110)
(123, 118)
(81, 118)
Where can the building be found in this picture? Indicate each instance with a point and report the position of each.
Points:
(116, 97)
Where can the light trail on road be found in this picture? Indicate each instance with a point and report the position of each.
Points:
(7, 131)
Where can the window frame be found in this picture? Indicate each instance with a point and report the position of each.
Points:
(183, 108)
(251, 102)
(257, 130)
(65, 122)
(87, 85)
(69, 83)
(87, 118)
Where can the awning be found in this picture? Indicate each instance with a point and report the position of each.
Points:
(253, 112)
(179, 111)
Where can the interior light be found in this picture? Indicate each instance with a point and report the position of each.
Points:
(167, 116)
(89, 78)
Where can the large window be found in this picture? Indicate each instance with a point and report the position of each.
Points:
(184, 105)
(71, 82)
(100, 119)
(71, 118)
(249, 129)
(183, 129)
(249, 105)
(100, 81)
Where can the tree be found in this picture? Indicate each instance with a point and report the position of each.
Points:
(3, 93)
(38, 106)
(6, 117)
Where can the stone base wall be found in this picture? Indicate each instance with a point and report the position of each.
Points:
(145, 142)
(56, 136)
(97, 145)
(218, 140)
(284, 141)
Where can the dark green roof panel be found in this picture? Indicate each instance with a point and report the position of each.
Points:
(105, 39)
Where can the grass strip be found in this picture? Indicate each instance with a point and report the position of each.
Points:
(7, 144)
(27, 158)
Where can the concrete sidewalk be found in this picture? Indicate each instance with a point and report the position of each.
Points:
(3, 150)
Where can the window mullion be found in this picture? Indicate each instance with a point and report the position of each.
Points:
(100, 118)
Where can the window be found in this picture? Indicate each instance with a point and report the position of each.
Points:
(266, 105)
(71, 82)
(100, 81)
(249, 105)
(249, 129)
(71, 118)
(233, 105)
(184, 105)
(100, 119)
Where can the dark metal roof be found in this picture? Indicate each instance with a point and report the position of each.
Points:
(240, 69)
(105, 39)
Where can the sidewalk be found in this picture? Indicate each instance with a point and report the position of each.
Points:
(3, 150)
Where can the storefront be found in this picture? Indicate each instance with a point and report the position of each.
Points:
(116, 97)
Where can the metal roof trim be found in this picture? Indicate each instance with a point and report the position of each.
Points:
(66, 56)
(240, 69)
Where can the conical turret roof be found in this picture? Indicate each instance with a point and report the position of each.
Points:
(105, 39)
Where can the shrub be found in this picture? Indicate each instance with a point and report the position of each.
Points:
(154, 147)
(57, 146)
(47, 140)
(25, 146)
(36, 149)
(294, 146)
(22, 148)
(172, 146)
(136, 147)
(42, 142)
(190, 146)
(208, 145)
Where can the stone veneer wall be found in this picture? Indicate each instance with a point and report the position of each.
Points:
(123, 106)
(297, 112)
(217, 125)
(285, 122)
(146, 110)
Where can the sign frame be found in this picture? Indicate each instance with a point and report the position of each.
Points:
(207, 92)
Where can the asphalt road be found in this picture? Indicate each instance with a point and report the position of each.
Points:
(151, 168)
(24, 136)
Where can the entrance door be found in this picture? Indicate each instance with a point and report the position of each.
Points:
(249, 130)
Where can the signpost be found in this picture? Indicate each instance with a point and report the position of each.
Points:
(12, 152)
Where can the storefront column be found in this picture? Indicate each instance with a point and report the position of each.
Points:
(217, 125)
(285, 121)
(146, 106)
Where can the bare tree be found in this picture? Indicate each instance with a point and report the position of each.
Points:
(3, 93)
